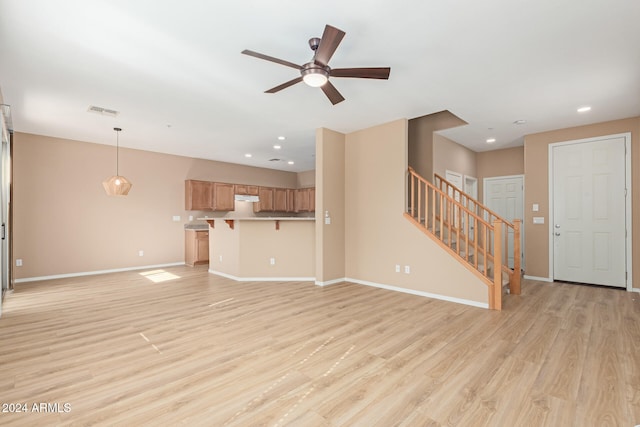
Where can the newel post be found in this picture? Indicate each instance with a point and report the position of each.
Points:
(514, 287)
(495, 295)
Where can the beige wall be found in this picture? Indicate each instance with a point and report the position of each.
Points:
(503, 162)
(536, 149)
(377, 236)
(247, 249)
(306, 179)
(330, 197)
(449, 155)
(420, 136)
(64, 223)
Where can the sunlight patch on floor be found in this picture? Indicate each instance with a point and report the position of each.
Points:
(157, 276)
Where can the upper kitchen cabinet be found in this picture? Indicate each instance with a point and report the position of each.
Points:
(305, 200)
(265, 194)
(208, 196)
(223, 197)
(247, 190)
(291, 200)
(198, 195)
(280, 199)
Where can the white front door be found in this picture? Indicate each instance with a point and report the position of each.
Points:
(504, 196)
(588, 222)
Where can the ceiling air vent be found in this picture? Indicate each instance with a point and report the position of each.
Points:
(274, 160)
(102, 110)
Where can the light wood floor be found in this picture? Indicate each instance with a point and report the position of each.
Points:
(121, 349)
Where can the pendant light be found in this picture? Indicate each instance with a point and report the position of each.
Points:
(117, 185)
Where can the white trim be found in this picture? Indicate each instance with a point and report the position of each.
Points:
(263, 279)
(330, 282)
(539, 279)
(95, 272)
(628, 199)
(419, 293)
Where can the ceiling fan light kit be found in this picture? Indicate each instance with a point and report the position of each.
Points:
(314, 76)
(317, 72)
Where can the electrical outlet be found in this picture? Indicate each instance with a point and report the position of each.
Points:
(19, 262)
(397, 268)
(141, 253)
(220, 258)
(407, 269)
(272, 261)
(190, 217)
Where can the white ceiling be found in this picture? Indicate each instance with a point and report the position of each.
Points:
(174, 71)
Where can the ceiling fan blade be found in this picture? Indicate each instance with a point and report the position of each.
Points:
(284, 85)
(332, 93)
(362, 73)
(329, 42)
(272, 59)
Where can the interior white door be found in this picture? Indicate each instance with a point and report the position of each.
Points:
(471, 188)
(504, 196)
(588, 224)
(454, 178)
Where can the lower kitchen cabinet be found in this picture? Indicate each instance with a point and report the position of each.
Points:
(196, 247)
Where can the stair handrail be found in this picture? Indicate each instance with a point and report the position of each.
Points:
(469, 197)
(453, 217)
(491, 215)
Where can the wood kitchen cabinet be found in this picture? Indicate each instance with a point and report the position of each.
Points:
(208, 196)
(223, 197)
(265, 194)
(246, 190)
(291, 200)
(198, 195)
(280, 199)
(196, 247)
(305, 200)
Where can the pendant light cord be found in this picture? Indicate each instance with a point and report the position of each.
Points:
(117, 150)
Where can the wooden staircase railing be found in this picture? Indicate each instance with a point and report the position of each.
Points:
(474, 240)
(510, 231)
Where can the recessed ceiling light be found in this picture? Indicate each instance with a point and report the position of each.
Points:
(277, 147)
(584, 109)
(247, 155)
(491, 140)
(281, 138)
(290, 162)
(519, 122)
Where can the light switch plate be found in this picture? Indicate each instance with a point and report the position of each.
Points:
(176, 218)
(536, 207)
(538, 220)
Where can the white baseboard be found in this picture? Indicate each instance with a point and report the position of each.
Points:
(419, 293)
(95, 272)
(330, 282)
(263, 279)
(539, 279)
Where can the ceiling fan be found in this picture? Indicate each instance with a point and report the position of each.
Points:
(316, 72)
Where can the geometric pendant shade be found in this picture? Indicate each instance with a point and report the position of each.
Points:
(117, 185)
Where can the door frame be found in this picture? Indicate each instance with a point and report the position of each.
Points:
(484, 202)
(627, 200)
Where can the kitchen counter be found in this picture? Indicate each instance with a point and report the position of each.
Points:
(263, 218)
(276, 219)
(253, 249)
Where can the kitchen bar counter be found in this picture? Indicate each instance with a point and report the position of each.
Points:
(231, 221)
(252, 249)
